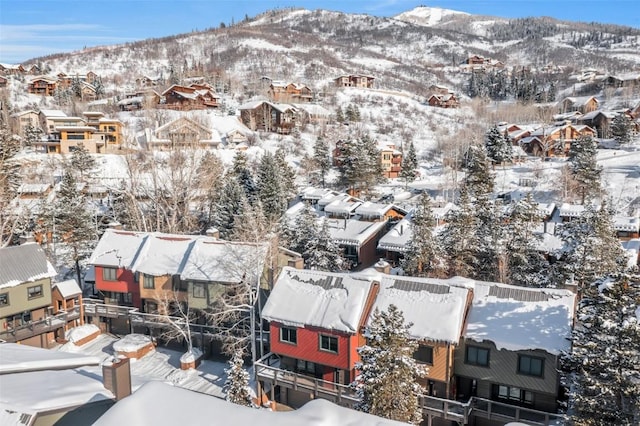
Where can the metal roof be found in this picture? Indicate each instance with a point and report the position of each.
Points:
(25, 263)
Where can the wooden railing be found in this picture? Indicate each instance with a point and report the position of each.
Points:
(35, 328)
(268, 370)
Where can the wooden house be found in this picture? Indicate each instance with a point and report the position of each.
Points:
(584, 104)
(316, 322)
(391, 162)
(189, 98)
(25, 296)
(550, 141)
(25, 119)
(11, 69)
(289, 92)
(598, 120)
(184, 133)
(355, 80)
(42, 85)
(444, 101)
(507, 353)
(3, 82)
(269, 117)
(67, 298)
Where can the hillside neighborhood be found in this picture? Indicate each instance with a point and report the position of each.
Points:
(417, 223)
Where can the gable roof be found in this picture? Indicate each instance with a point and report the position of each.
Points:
(435, 309)
(25, 263)
(521, 318)
(68, 288)
(117, 248)
(332, 301)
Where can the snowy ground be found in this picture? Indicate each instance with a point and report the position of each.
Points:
(160, 365)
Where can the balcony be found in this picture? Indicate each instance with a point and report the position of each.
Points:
(268, 370)
(36, 328)
(94, 308)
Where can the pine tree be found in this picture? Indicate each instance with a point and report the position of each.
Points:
(424, 257)
(321, 158)
(621, 129)
(287, 173)
(71, 223)
(339, 115)
(229, 206)
(322, 253)
(591, 249)
(209, 176)
(252, 226)
(349, 113)
(82, 161)
(584, 167)
(459, 240)
(603, 365)
(499, 148)
(32, 135)
(360, 166)
(10, 179)
(241, 171)
(236, 387)
(296, 234)
(124, 207)
(525, 265)
(387, 384)
(409, 164)
(271, 191)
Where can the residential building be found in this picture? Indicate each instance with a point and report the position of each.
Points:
(3, 82)
(289, 92)
(22, 120)
(11, 69)
(66, 297)
(25, 297)
(555, 140)
(448, 100)
(355, 80)
(42, 85)
(512, 345)
(185, 98)
(269, 117)
(390, 161)
(183, 133)
(584, 104)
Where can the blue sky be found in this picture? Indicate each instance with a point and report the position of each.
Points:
(30, 28)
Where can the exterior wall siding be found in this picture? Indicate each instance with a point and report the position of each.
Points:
(125, 283)
(19, 299)
(308, 347)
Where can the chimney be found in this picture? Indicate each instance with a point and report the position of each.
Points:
(213, 233)
(297, 263)
(382, 266)
(117, 378)
(401, 229)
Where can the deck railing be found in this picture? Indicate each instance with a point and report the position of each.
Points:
(35, 328)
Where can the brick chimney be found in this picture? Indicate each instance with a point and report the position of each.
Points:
(117, 378)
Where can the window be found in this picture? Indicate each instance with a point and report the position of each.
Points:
(511, 394)
(4, 299)
(148, 282)
(178, 285)
(424, 354)
(305, 366)
(530, 366)
(199, 290)
(477, 356)
(109, 274)
(289, 335)
(328, 343)
(75, 136)
(35, 291)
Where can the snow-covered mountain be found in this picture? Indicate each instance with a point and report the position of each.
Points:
(411, 51)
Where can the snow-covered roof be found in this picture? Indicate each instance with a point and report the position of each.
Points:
(24, 263)
(117, 248)
(196, 409)
(68, 288)
(441, 212)
(626, 223)
(34, 188)
(313, 193)
(332, 196)
(342, 207)
(162, 254)
(572, 210)
(370, 209)
(332, 301)
(593, 114)
(222, 261)
(519, 318)
(314, 109)
(52, 113)
(18, 358)
(352, 231)
(435, 309)
(398, 237)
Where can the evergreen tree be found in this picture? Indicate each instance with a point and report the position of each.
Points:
(603, 365)
(621, 129)
(525, 265)
(271, 191)
(339, 115)
(82, 161)
(230, 205)
(241, 171)
(499, 148)
(32, 135)
(124, 207)
(209, 176)
(287, 173)
(296, 234)
(321, 158)
(459, 240)
(584, 167)
(10, 179)
(236, 387)
(591, 249)
(99, 87)
(360, 166)
(349, 113)
(71, 223)
(252, 226)
(321, 252)
(409, 164)
(423, 257)
(387, 382)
